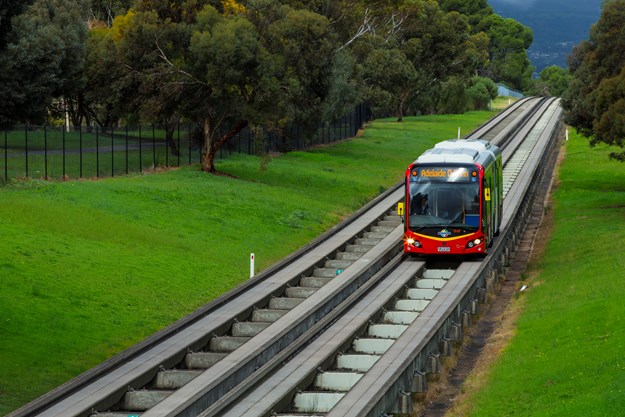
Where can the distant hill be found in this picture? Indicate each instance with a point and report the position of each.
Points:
(558, 25)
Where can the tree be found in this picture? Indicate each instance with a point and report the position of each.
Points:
(8, 10)
(480, 92)
(305, 46)
(42, 58)
(475, 10)
(595, 101)
(389, 76)
(437, 45)
(552, 81)
(106, 10)
(508, 59)
(227, 66)
(454, 99)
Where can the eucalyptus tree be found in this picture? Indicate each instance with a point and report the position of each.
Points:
(9, 9)
(226, 66)
(475, 10)
(389, 77)
(424, 46)
(480, 92)
(508, 58)
(507, 39)
(129, 80)
(43, 52)
(106, 10)
(595, 101)
(552, 81)
(440, 46)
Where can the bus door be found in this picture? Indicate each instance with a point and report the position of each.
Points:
(487, 204)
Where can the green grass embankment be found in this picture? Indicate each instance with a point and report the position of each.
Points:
(89, 268)
(567, 356)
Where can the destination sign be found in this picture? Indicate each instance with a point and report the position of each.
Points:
(449, 174)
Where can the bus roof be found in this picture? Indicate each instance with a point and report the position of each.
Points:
(455, 150)
(477, 144)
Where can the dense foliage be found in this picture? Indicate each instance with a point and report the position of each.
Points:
(595, 101)
(41, 55)
(224, 65)
(552, 81)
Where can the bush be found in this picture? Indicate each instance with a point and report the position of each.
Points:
(453, 97)
(480, 92)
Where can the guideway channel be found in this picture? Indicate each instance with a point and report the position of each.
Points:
(334, 362)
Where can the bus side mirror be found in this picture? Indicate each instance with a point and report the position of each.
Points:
(487, 194)
(400, 209)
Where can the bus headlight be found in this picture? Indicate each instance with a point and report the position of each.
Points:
(474, 242)
(413, 242)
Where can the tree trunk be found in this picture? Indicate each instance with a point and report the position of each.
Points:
(208, 155)
(400, 110)
(169, 137)
(212, 146)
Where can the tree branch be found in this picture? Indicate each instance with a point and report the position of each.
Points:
(176, 69)
(366, 27)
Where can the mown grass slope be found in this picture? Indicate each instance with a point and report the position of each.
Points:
(567, 355)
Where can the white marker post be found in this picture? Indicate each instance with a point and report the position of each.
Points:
(458, 133)
(251, 265)
(567, 133)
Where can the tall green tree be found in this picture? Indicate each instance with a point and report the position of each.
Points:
(552, 81)
(453, 97)
(389, 77)
(481, 92)
(42, 58)
(106, 10)
(595, 101)
(261, 64)
(509, 41)
(8, 10)
(475, 10)
(437, 45)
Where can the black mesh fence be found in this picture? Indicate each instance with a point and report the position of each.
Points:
(58, 153)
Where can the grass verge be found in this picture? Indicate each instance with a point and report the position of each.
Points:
(564, 336)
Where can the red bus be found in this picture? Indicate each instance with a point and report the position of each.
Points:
(454, 199)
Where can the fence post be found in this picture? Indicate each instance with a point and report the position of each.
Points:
(80, 153)
(64, 161)
(140, 154)
(45, 151)
(126, 149)
(97, 152)
(189, 138)
(167, 144)
(6, 159)
(153, 146)
(112, 152)
(26, 146)
(179, 150)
